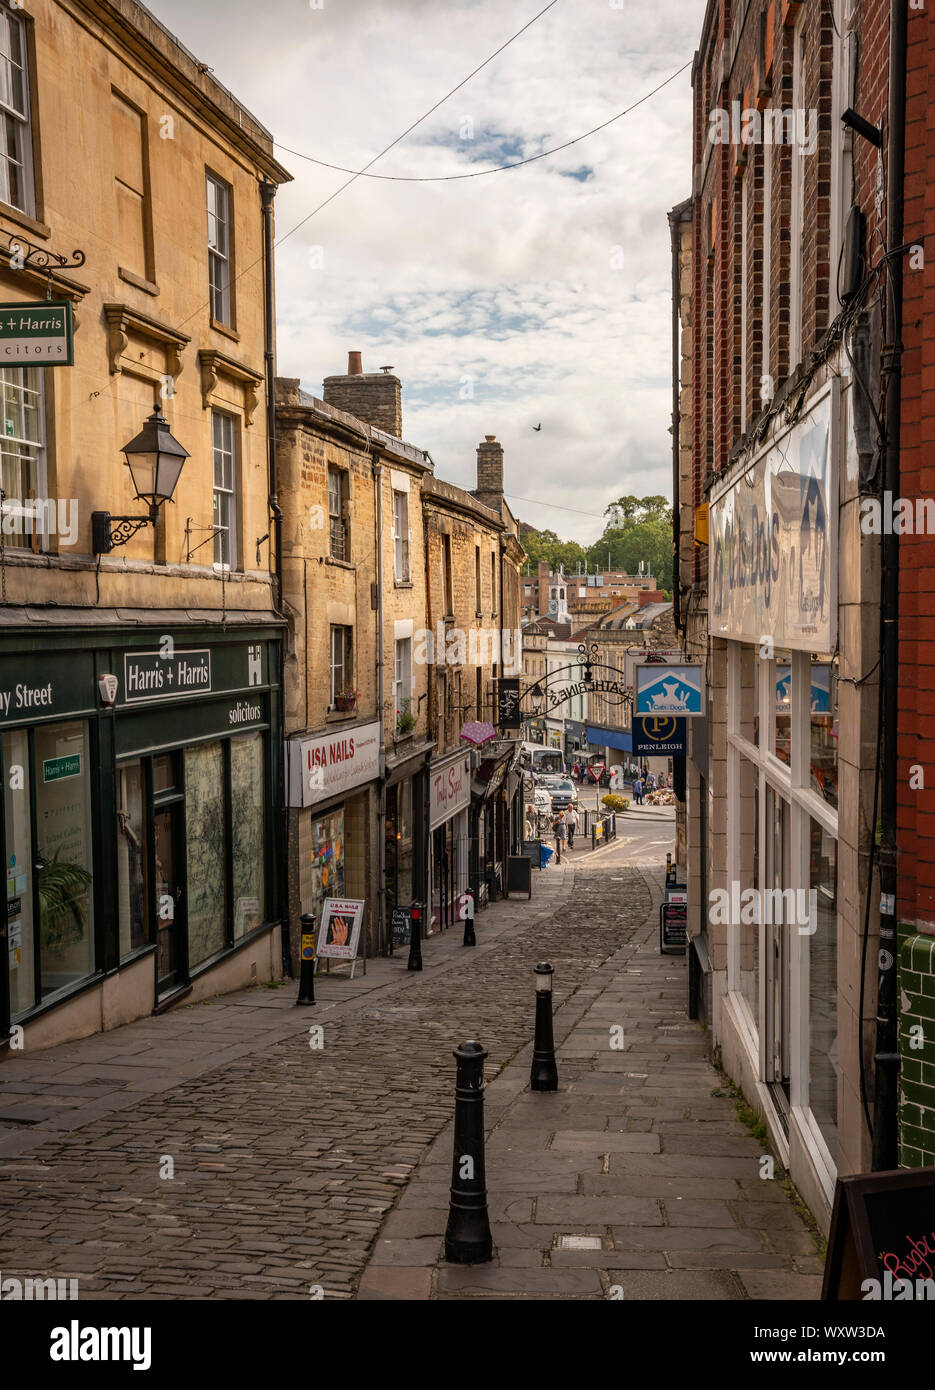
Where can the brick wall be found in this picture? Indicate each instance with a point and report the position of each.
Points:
(916, 815)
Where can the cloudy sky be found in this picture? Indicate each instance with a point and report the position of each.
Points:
(535, 295)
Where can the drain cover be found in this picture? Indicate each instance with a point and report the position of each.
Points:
(579, 1242)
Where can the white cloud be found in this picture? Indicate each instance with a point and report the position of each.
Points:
(507, 279)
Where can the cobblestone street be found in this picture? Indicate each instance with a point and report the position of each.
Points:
(287, 1159)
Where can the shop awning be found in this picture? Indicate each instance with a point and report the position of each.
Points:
(611, 738)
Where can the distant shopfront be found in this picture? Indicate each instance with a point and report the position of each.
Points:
(138, 835)
(449, 828)
(332, 787)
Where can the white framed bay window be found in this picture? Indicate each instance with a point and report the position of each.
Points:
(782, 842)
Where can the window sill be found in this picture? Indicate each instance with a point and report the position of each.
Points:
(340, 564)
(226, 329)
(340, 716)
(138, 281)
(402, 583)
(23, 219)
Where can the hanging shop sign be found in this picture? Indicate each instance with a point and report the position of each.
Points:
(36, 335)
(773, 539)
(662, 735)
(340, 928)
(449, 790)
(653, 656)
(664, 689)
(508, 711)
(328, 764)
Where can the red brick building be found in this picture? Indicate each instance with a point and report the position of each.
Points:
(916, 770)
(780, 283)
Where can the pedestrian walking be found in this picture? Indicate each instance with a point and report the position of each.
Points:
(558, 829)
(638, 791)
(574, 770)
(529, 830)
(571, 825)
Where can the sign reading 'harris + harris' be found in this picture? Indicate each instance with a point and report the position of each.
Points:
(37, 335)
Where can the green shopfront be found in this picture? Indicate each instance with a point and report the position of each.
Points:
(138, 830)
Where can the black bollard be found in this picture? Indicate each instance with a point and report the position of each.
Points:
(307, 958)
(467, 1237)
(415, 938)
(544, 1073)
(469, 938)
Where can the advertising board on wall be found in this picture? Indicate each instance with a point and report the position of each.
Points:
(328, 764)
(773, 538)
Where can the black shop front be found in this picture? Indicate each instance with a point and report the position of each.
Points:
(140, 772)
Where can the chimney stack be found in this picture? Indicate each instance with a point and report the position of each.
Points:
(489, 488)
(374, 397)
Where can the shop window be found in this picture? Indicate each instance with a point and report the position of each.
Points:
(220, 278)
(338, 547)
(133, 906)
(342, 674)
(823, 754)
(22, 453)
(823, 986)
(224, 442)
(327, 860)
(782, 725)
(16, 174)
(401, 537)
(20, 902)
(400, 888)
(205, 836)
(248, 832)
(63, 863)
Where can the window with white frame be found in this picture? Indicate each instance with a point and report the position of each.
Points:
(219, 248)
(782, 831)
(22, 452)
(342, 647)
(224, 441)
(16, 182)
(337, 514)
(401, 537)
(402, 675)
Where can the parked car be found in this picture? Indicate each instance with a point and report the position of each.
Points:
(563, 793)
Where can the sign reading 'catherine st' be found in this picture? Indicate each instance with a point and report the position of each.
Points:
(36, 335)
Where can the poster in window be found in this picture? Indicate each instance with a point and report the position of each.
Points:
(340, 928)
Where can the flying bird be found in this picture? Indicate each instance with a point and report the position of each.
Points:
(537, 427)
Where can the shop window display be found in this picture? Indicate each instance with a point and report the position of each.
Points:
(327, 860)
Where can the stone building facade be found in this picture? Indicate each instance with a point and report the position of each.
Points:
(141, 829)
(354, 590)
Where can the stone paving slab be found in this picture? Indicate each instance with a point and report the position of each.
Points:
(633, 1156)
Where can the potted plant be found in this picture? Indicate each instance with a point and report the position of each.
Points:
(405, 719)
(346, 699)
(61, 912)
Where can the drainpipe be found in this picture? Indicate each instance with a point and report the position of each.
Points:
(675, 236)
(267, 196)
(380, 664)
(886, 1057)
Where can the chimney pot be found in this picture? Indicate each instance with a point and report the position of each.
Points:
(355, 365)
(490, 438)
